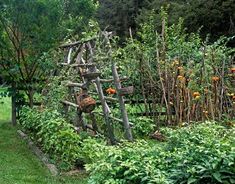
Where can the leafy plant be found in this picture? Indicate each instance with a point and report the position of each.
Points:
(199, 154)
(53, 133)
(142, 126)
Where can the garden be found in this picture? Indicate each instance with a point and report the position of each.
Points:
(153, 105)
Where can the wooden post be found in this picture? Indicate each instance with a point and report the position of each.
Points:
(118, 86)
(80, 120)
(13, 104)
(66, 109)
(94, 124)
(105, 111)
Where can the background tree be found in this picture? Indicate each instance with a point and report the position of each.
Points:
(119, 15)
(76, 17)
(29, 29)
(215, 18)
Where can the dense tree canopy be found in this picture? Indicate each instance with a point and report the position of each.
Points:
(29, 29)
(216, 18)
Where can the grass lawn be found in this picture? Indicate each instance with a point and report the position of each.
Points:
(18, 165)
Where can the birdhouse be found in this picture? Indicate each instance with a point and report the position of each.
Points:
(85, 102)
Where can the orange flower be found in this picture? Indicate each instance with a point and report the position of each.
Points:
(233, 70)
(110, 91)
(180, 77)
(175, 62)
(233, 97)
(215, 78)
(196, 95)
(180, 68)
(205, 112)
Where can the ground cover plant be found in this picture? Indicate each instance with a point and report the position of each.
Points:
(202, 153)
(198, 153)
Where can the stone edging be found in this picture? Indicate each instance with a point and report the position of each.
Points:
(45, 160)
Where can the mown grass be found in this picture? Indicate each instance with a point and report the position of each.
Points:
(5, 107)
(18, 165)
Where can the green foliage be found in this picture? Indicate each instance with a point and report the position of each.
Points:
(118, 16)
(199, 154)
(178, 63)
(213, 17)
(5, 107)
(53, 92)
(142, 126)
(57, 137)
(24, 42)
(76, 16)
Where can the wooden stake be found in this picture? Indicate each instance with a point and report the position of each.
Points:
(105, 111)
(126, 124)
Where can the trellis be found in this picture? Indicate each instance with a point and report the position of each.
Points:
(80, 57)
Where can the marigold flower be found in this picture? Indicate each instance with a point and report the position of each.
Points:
(233, 97)
(180, 68)
(180, 77)
(196, 94)
(175, 62)
(110, 91)
(215, 78)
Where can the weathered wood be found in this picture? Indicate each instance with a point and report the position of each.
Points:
(111, 99)
(74, 84)
(83, 65)
(69, 103)
(78, 51)
(76, 43)
(126, 91)
(91, 76)
(126, 124)
(105, 111)
(78, 65)
(66, 109)
(69, 55)
(94, 124)
(111, 80)
(114, 118)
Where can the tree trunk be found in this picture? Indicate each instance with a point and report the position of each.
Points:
(30, 96)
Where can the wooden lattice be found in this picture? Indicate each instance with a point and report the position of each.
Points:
(80, 56)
